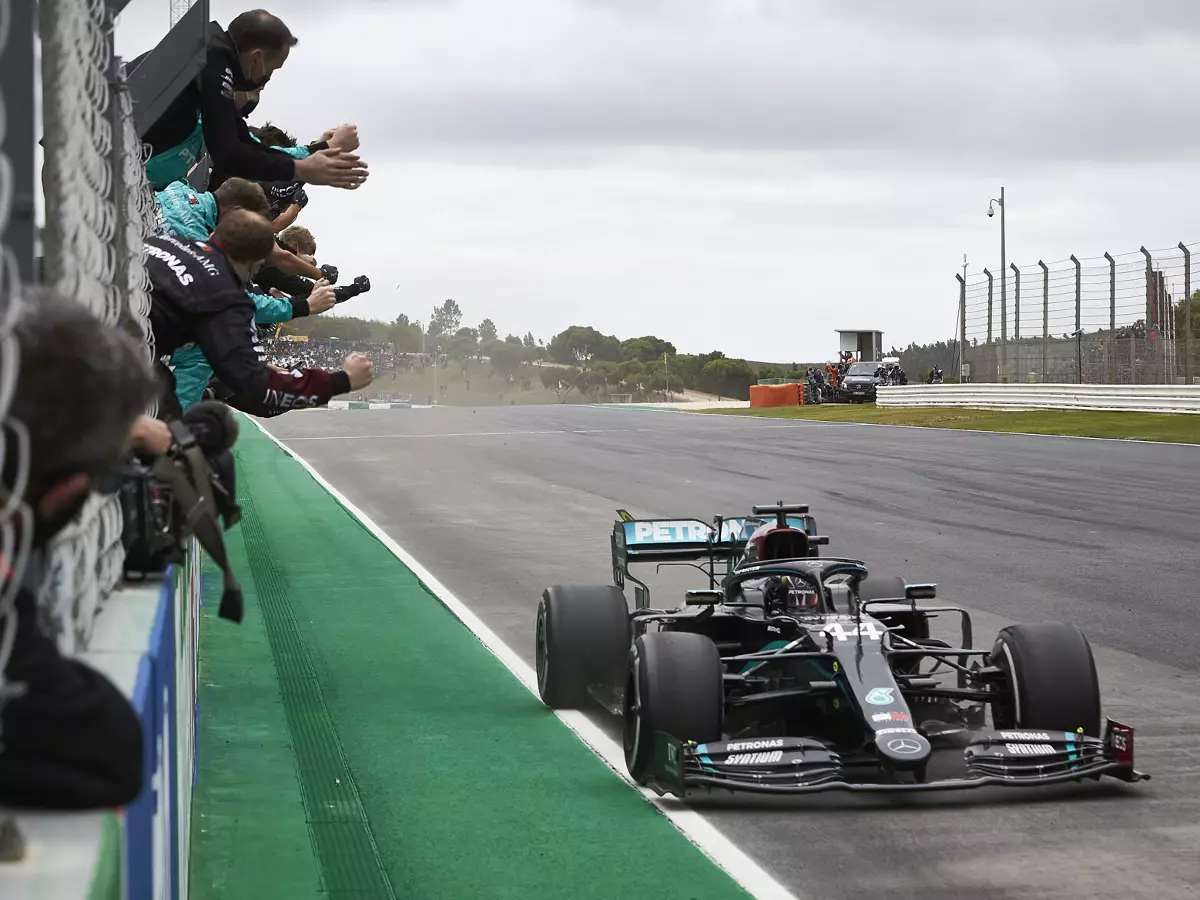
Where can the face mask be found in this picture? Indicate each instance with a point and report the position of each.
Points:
(250, 106)
(256, 83)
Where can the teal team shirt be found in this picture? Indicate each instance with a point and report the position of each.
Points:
(174, 163)
(192, 216)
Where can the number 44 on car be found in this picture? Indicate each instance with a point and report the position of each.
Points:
(794, 673)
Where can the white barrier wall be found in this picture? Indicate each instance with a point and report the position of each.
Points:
(146, 640)
(1168, 398)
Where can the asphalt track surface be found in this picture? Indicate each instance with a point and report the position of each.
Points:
(498, 503)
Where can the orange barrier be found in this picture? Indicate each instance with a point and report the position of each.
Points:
(765, 395)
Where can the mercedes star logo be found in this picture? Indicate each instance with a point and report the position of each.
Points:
(903, 745)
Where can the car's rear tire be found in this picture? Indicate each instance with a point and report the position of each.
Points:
(582, 638)
(1051, 678)
(675, 684)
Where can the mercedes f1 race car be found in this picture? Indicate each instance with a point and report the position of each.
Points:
(795, 673)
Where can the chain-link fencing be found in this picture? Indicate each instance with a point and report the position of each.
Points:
(15, 530)
(98, 210)
(1110, 319)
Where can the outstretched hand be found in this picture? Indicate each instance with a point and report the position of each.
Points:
(332, 168)
(343, 137)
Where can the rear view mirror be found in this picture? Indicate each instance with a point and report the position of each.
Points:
(920, 591)
(703, 598)
(818, 540)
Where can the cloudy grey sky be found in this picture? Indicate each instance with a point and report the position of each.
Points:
(743, 175)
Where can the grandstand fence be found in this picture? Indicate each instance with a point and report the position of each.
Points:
(1124, 319)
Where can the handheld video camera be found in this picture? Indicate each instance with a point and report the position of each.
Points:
(190, 491)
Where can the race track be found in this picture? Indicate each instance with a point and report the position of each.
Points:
(498, 503)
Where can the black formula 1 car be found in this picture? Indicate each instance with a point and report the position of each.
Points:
(795, 673)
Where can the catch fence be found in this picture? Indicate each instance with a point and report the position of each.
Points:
(14, 449)
(98, 209)
(1111, 319)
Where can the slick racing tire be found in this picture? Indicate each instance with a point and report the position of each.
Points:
(1050, 677)
(675, 684)
(582, 638)
(915, 627)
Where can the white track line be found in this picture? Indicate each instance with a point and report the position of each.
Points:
(694, 827)
(804, 423)
(459, 434)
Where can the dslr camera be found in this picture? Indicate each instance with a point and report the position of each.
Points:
(344, 292)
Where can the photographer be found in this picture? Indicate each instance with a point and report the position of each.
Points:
(198, 295)
(205, 115)
(298, 240)
(71, 740)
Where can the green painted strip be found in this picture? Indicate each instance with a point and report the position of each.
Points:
(106, 880)
(250, 838)
(349, 860)
(471, 788)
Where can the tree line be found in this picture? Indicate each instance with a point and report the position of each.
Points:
(580, 358)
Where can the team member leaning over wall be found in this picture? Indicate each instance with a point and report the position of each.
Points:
(205, 115)
(288, 198)
(193, 215)
(299, 240)
(199, 296)
(188, 213)
(68, 737)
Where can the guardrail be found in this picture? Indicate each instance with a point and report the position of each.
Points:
(1182, 398)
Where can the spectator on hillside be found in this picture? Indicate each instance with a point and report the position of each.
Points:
(289, 354)
(69, 739)
(206, 115)
(199, 296)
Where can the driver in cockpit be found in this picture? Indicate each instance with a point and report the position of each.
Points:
(784, 595)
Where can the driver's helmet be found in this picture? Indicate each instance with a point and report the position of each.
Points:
(787, 595)
(772, 542)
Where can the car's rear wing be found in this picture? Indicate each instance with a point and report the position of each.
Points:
(686, 540)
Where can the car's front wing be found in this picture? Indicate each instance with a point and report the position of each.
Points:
(773, 765)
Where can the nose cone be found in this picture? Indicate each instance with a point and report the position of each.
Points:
(904, 749)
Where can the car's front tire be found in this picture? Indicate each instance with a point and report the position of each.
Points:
(582, 639)
(1050, 678)
(675, 683)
